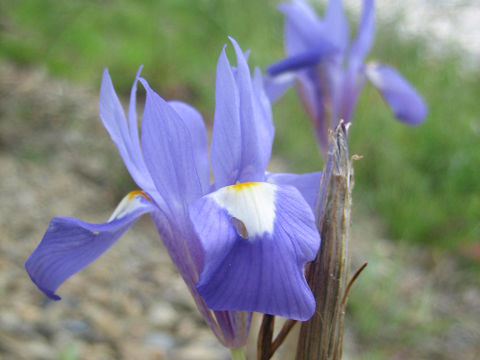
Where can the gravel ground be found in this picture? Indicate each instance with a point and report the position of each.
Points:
(131, 304)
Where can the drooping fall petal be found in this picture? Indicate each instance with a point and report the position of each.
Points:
(406, 104)
(70, 244)
(257, 238)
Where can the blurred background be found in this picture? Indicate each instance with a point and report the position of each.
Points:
(416, 200)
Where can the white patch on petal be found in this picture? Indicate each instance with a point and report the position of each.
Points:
(371, 70)
(252, 203)
(285, 77)
(129, 203)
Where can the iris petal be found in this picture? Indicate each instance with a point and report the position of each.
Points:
(302, 27)
(169, 153)
(337, 25)
(276, 86)
(303, 60)
(243, 129)
(255, 151)
(310, 92)
(71, 244)
(198, 132)
(264, 272)
(366, 31)
(263, 108)
(132, 116)
(403, 99)
(307, 184)
(226, 137)
(125, 136)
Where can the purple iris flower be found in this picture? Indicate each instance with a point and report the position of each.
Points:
(329, 73)
(241, 243)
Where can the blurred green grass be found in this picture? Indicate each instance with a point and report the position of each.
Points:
(423, 181)
(177, 41)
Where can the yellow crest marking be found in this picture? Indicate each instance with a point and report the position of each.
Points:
(243, 186)
(134, 193)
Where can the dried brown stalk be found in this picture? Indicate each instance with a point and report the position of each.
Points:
(265, 335)
(265, 347)
(322, 336)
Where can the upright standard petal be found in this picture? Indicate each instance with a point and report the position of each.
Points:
(71, 244)
(243, 129)
(169, 153)
(302, 27)
(253, 124)
(263, 109)
(366, 31)
(406, 104)
(132, 116)
(196, 126)
(257, 239)
(226, 145)
(337, 25)
(353, 81)
(125, 136)
(311, 94)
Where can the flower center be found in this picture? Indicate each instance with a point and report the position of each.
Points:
(250, 205)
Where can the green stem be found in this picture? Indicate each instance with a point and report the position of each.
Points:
(238, 354)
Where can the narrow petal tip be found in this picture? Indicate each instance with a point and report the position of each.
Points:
(139, 71)
(71, 244)
(48, 292)
(407, 105)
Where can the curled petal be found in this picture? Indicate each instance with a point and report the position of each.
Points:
(406, 104)
(257, 238)
(71, 244)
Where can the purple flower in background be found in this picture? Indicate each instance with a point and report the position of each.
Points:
(240, 244)
(329, 72)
